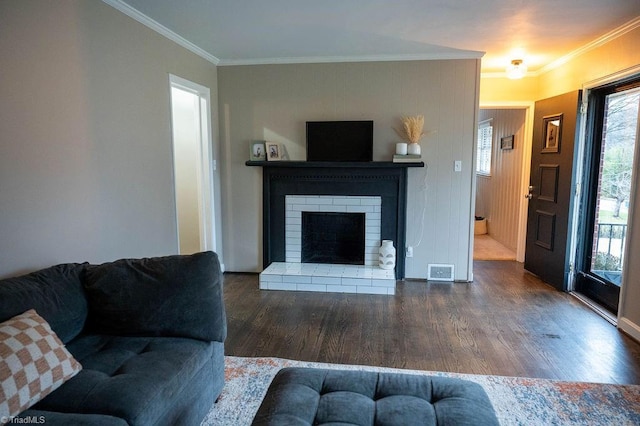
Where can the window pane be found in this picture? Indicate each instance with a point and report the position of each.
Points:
(485, 137)
(614, 184)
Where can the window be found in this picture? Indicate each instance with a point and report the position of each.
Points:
(485, 139)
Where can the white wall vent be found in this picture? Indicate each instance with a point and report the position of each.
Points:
(438, 272)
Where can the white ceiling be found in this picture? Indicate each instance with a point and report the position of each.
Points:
(285, 31)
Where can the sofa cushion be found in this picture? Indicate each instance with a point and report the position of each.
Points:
(56, 293)
(178, 296)
(133, 378)
(307, 396)
(33, 363)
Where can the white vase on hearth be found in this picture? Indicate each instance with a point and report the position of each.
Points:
(387, 255)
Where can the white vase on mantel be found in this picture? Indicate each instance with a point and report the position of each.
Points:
(413, 149)
(401, 148)
(387, 255)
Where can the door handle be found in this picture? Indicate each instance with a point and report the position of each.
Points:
(530, 194)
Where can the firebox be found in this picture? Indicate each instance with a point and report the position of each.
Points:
(334, 238)
(344, 226)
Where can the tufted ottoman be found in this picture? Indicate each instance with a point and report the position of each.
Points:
(307, 396)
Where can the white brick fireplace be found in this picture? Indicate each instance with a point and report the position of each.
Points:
(290, 188)
(294, 275)
(296, 204)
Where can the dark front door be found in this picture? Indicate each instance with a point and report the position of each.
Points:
(551, 188)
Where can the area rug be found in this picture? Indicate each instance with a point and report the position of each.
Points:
(517, 401)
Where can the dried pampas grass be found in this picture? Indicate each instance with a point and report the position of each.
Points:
(411, 128)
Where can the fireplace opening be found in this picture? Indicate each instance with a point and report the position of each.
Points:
(329, 237)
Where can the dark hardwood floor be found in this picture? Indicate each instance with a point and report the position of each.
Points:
(507, 322)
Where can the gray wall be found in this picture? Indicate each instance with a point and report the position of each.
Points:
(85, 135)
(272, 102)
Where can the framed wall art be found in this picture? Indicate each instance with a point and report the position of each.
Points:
(506, 142)
(551, 133)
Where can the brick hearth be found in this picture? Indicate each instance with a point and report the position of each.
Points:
(322, 277)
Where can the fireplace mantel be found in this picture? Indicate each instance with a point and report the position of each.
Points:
(334, 164)
(385, 179)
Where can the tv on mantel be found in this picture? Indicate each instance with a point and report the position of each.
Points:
(340, 140)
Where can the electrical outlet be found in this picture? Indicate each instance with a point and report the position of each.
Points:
(409, 251)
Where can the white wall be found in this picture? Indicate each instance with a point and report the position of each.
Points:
(186, 151)
(85, 135)
(273, 102)
(629, 311)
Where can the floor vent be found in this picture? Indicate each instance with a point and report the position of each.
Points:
(438, 272)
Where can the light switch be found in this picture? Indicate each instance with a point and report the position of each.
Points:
(457, 166)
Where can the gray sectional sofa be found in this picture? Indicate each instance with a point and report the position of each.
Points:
(149, 334)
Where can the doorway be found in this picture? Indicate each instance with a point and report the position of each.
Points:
(193, 166)
(612, 135)
(502, 148)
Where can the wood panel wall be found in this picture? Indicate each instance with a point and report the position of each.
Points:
(498, 196)
(273, 102)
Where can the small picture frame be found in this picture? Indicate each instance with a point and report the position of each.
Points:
(258, 151)
(551, 133)
(506, 142)
(274, 151)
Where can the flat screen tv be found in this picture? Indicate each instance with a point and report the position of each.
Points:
(340, 140)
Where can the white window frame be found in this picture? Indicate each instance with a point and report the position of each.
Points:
(485, 148)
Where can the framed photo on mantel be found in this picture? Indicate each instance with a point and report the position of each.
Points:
(274, 151)
(258, 151)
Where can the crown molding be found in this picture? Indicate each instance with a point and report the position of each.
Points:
(468, 54)
(606, 38)
(160, 29)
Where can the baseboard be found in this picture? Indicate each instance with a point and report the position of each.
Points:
(632, 329)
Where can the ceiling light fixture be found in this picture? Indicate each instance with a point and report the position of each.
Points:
(516, 69)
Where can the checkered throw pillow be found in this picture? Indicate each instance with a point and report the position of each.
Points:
(33, 363)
